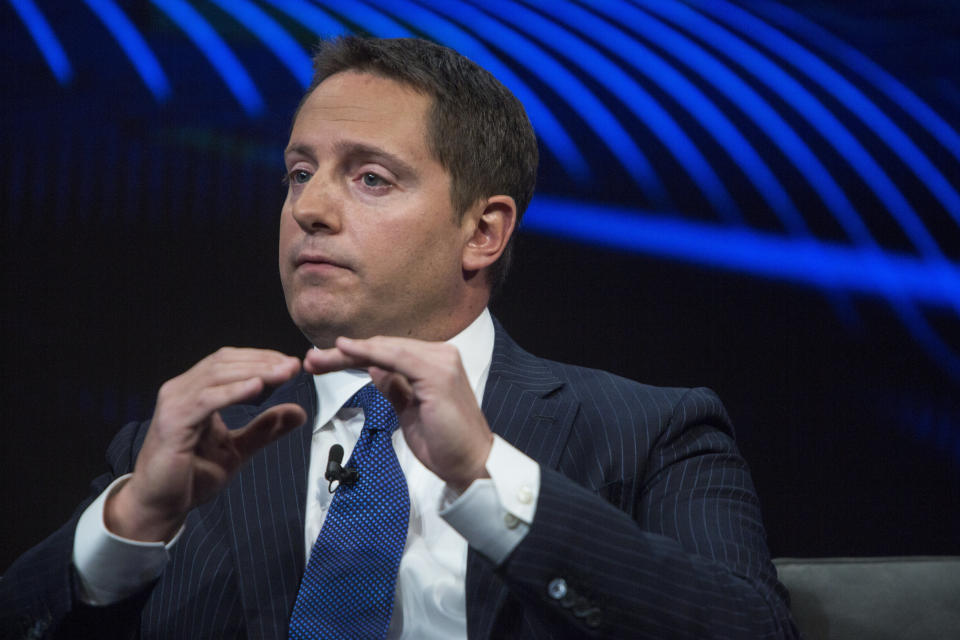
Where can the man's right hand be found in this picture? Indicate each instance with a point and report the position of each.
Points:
(189, 454)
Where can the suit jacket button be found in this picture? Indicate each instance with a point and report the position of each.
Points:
(557, 588)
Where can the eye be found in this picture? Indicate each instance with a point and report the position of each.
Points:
(299, 176)
(371, 179)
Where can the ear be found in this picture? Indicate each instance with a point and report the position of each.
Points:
(490, 223)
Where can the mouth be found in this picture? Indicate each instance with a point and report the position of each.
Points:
(316, 262)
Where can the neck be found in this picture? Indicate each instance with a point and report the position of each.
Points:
(437, 328)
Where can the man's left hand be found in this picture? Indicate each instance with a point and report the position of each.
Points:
(428, 387)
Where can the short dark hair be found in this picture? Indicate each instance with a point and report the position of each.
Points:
(477, 129)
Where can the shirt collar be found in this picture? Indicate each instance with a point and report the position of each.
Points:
(475, 344)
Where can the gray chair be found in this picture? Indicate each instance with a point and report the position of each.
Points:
(874, 598)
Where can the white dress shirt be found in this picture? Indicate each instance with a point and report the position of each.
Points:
(492, 515)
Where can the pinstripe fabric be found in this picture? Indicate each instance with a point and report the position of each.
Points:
(646, 510)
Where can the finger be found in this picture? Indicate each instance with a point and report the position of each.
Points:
(394, 386)
(210, 478)
(183, 413)
(400, 355)
(244, 354)
(216, 446)
(271, 372)
(211, 399)
(319, 361)
(273, 423)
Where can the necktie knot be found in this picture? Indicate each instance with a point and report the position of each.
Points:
(378, 413)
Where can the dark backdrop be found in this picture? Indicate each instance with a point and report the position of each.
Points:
(138, 234)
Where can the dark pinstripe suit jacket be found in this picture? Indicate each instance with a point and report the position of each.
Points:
(646, 513)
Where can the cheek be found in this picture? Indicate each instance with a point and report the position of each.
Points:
(285, 215)
(287, 227)
(436, 253)
(286, 246)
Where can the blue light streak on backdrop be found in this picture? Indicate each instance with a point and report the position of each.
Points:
(803, 260)
(273, 36)
(746, 53)
(134, 45)
(372, 19)
(807, 106)
(849, 56)
(689, 96)
(312, 17)
(869, 114)
(217, 51)
(42, 33)
(641, 104)
(722, 78)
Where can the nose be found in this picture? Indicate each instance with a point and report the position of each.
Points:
(317, 208)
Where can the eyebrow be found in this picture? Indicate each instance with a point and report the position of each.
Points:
(354, 150)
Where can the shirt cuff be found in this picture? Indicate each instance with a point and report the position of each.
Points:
(495, 514)
(109, 566)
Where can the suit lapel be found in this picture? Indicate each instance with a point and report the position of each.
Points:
(529, 407)
(265, 505)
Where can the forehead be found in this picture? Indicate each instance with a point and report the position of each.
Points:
(365, 109)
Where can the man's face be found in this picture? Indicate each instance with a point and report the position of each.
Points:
(369, 243)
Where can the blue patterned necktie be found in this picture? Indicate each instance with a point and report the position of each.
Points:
(348, 585)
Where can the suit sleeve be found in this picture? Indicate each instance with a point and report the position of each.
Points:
(675, 548)
(39, 592)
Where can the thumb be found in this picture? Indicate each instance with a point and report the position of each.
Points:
(273, 423)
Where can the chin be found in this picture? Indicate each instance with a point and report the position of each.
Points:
(318, 322)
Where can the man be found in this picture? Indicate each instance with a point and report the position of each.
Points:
(601, 507)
